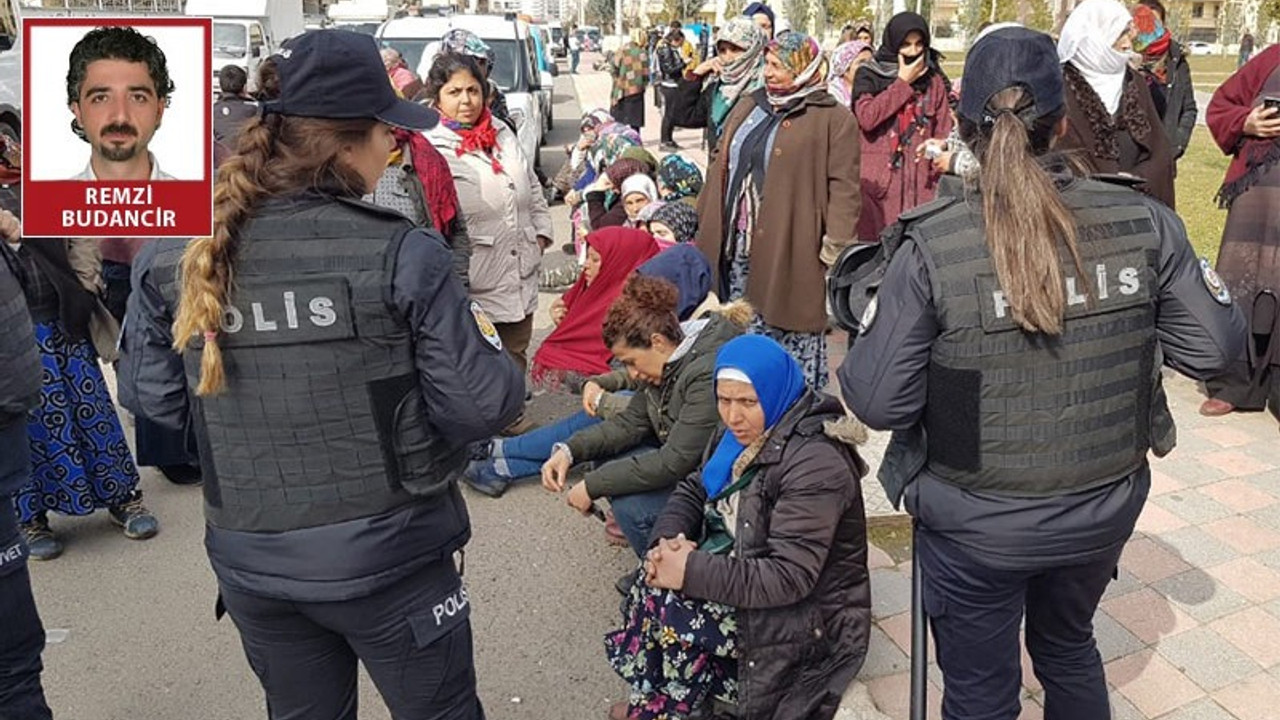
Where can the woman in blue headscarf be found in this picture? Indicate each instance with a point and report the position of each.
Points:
(757, 564)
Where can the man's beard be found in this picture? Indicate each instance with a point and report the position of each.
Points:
(115, 151)
(119, 153)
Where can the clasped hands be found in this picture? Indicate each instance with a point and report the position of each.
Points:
(665, 563)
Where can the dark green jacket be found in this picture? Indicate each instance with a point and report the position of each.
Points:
(680, 414)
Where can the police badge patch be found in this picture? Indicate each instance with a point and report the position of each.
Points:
(1213, 283)
(869, 315)
(485, 326)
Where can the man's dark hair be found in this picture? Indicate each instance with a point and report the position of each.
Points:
(232, 79)
(117, 42)
(675, 25)
(1156, 6)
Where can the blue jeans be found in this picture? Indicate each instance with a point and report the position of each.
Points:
(21, 633)
(637, 514)
(523, 455)
(574, 57)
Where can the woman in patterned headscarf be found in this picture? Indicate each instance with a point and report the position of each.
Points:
(735, 70)
(782, 200)
(679, 179)
(845, 60)
(629, 67)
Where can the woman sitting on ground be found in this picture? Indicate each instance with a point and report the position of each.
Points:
(660, 437)
(605, 206)
(679, 179)
(574, 349)
(670, 223)
(758, 564)
(509, 460)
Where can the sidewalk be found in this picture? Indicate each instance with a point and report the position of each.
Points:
(1190, 630)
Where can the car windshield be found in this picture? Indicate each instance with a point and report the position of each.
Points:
(229, 40)
(506, 55)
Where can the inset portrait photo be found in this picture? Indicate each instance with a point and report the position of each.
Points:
(122, 107)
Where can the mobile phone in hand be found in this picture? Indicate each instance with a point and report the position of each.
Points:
(1271, 103)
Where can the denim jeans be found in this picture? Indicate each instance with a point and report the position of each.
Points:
(21, 633)
(523, 455)
(637, 514)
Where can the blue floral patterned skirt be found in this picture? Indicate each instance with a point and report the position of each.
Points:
(79, 458)
(676, 653)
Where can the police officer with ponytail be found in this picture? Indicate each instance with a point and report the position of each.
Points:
(337, 371)
(1015, 349)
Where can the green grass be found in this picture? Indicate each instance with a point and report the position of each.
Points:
(1200, 174)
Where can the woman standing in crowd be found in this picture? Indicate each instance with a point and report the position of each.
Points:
(504, 210)
(845, 61)
(574, 349)
(629, 67)
(737, 71)
(331, 548)
(900, 101)
(679, 180)
(418, 183)
(782, 200)
(1111, 119)
(660, 437)
(1168, 74)
(80, 461)
(762, 15)
(1249, 130)
(758, 563)
(671, 65)
(1028, 524)
(172, 453)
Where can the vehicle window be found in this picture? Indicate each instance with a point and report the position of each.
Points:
(506, 67)
(229, 40)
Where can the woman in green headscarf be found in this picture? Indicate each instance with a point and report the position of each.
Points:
(735, 70)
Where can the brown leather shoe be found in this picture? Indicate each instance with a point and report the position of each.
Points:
(618, 711)
(1213, 407)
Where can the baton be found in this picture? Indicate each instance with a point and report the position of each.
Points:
(919, 635)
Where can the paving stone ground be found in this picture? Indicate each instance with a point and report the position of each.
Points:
(1191, 628)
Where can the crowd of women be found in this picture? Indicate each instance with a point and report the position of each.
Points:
(694, 325)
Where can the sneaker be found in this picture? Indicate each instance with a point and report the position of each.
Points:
(135, 518)
(41, 542)
(668, 147)
(481, 477)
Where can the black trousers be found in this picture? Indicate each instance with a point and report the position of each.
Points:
(413, 637)
(21, 633)
(668, 115)
(975, 612)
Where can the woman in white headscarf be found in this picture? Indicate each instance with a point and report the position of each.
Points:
(1112, 120)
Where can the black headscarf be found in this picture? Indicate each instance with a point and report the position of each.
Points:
(877, 75)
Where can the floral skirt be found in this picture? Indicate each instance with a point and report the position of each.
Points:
(809, 349)
(676, 653)
(79, 458)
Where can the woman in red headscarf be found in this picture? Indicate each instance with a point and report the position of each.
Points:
(576, 349)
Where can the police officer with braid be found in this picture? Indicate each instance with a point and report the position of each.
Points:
(1015, 349)
(338, 371)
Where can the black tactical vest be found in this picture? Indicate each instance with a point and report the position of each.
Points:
(19, 357)
(1025, 414)
(322, 420)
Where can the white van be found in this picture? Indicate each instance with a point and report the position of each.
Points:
(515, 67)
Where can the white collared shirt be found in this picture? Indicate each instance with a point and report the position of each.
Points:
(156, 172)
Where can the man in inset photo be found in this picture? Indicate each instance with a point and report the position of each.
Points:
(118, 87)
